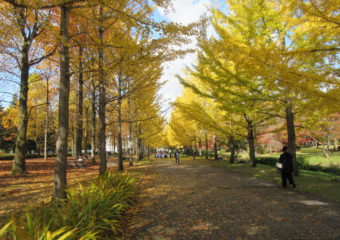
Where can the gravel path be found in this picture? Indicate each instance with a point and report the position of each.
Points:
(197, 201)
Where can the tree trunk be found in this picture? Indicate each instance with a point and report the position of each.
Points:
(119, 132)
(232, 149)
(114, 143)
(206, 146)
(19, 164)
(93, 125)
(195, 150)
(137, 149)
(46, 121)
(215, 147)
(86, 133)
(74, 137)
(130, 145)
(141, 149)
(60, 182)
(140, 144)
(124, 142)
(251, 142)
(291, 136)
(102, 103)
(79, 110)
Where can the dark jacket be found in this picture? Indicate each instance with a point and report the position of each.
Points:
(287, 161)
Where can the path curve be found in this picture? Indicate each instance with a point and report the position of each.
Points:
(196, 201)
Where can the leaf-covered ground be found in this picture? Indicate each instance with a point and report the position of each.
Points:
(198, 201)
(20, 191)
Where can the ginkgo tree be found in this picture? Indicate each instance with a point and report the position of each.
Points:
(22, 47)
(254, 67)
(107, 17)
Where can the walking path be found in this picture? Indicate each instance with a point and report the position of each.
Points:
(196, 201)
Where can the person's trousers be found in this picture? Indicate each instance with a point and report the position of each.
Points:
(177, 160)
(287, 175)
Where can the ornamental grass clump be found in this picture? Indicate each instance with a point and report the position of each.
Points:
(94, 211)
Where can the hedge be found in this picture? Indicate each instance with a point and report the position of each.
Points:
(312, 150)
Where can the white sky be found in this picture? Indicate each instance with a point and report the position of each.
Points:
(185, 12)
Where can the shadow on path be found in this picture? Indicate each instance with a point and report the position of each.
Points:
(195, 201)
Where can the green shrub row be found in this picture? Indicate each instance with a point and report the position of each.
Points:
(311, 150)
(302, 164)
(91, 212)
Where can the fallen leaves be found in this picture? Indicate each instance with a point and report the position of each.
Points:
(18, 191)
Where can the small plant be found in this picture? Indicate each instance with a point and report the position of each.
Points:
(91, 212)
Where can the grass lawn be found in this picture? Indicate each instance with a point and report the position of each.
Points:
(319, 183)
(319, 159)
(311, 158)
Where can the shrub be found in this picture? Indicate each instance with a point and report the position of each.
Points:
(311, 150)
(267, 160)
(91, 212)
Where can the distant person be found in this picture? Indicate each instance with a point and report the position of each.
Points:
(287, 168)
(80, 161)
(177, 157)
(170, 153)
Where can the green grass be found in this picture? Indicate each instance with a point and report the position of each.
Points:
(314, 158)
(319, 183)
(319, 159)
(310, 158)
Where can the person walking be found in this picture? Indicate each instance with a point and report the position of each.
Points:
(176, 154)
(287, 168)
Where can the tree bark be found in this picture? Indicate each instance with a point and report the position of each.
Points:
(86, 131)
(232, 149)
(195, 150)
(102, 99)
(19, 163)
(119, 127)
(79, 110)
(200, 146)
(60, 180)
(46, 120)
(93, 125)
(140, 143)
(130, 145)
(206, 146)
(215, 147)
(114, 142)
(137, 149)
(251, 141)
(141, 149)
(291, 136)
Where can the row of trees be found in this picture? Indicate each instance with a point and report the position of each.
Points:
(104, 57)
(269, 62)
